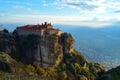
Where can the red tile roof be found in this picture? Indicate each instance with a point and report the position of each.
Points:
(33, 27)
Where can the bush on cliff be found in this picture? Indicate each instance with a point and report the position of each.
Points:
(29, 69)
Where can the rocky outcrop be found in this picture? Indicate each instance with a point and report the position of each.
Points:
(7, 63)
(67, 42)
(7, 43)
(45, 50)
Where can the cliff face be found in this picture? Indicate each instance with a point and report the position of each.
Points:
(7, 43)
(67, 42)
(45, 50)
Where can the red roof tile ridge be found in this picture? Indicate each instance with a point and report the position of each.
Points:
(34, 27)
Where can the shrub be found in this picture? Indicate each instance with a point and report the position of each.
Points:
(30, 69)
(62, 75)
(41, 71)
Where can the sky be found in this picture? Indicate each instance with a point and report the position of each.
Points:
(93, 13)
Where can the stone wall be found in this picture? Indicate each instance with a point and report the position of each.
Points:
(28, 32)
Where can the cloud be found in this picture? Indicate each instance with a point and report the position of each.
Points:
(3, 15)
(45, 4)
(32, 11)
(95, 6)
(62, 20)
(18, 7)
(118, 11)
(87, 24)
(82, 5)
(15, 2)
(88, 12)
